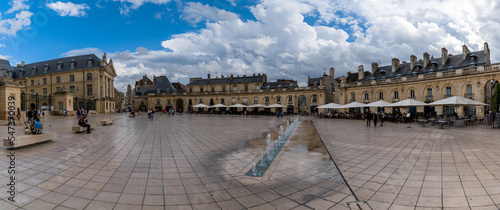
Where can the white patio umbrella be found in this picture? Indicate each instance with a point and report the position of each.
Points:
(200, 106)
(408, 103)
(255, 106)
(457, 101)
(218, 106)
(238, 106)
(380, 103)
(275, 106)
(329, 106)
(352, 105)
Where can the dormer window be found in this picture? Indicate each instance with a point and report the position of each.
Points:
(21, 73)
(45, 68)
(279, 86)
(59, 66)
(72, 64)
(434, 66)
(382, 72)
(33, 70)
(90, 62)
(268, 87)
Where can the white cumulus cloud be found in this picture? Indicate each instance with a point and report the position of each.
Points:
(11, 26)
(127, 5)
(195, 12)
(18, 5)
(69, 9)
(88, 50)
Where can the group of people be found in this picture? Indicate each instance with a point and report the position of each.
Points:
(376, 117)
(151, 114)
(34, 123)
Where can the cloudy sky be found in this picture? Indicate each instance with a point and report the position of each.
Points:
(283, 38)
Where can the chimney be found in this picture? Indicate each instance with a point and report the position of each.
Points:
(264, 78)
(332, 72)
(413, 61)
(253, 75)
(374, 67)
(487, 53)
(361, 72)
(231, 77)
(444, 56)
(308, 77)
(465, 51)
(22, 64)
(426, 60)
(222, 76)
(348, 73)
(208, 76)
(395, 64)
(244, 75)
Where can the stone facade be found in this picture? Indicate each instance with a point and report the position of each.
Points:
(88, 77)
(246, 90)
(438, 82)
(119, 99)
(8, 90)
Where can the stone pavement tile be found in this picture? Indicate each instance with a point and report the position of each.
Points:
(146, 207)
(475, 192)
(63, 208)
(172, 190)
(230, 205)
(320, 204)
(265, 206)
(48, 185)
(221, 195)
(401, 207)
(37, 204)
(480, 201)
(250, 200)
(239, 192)
(384, 197)
(200, 198)
(455, 202)
(283, 203)
(100, 205)
(433, 202)
(406, 200)
(76, 203)
(128, 206)
(54, 197)
(153, 200)
(206, 206)
(36, 192)
(133, 199)
(175, 200)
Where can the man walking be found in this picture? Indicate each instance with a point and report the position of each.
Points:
(368, 118)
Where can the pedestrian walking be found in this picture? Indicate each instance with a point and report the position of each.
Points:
(375, 119)
(368, 118)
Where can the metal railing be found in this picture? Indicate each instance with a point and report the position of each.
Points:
(469, 95)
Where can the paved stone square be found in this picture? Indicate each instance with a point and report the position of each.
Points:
(199, 162)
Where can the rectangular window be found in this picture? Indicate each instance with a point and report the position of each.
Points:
(235, 88)
(353, 97)
(412, 94)
(44, 81)
(380, 96)
(468, 92)
(58, 79)
(223, 89)
(72, 89)
(71, 78)
(89, 90)
(257, 87)
(290, 99)
(255, 101)
(190, 90)
(246, 88)
(201, 90)
(61, 106)
(315, 99)
(396, 95)
(89, 76)
(213, 90)
(448, 92)
(32, 82)
(278, 100)
(58, 89)
(367, 97)
(45, 91)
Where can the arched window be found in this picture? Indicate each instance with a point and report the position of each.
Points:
(353, 97)
(255, 100)
(222, 101)
(245, 101)
(396, 96)
(169, 102)
(367, 97)
(468, 92)
(380, 96)
(233, 101)
(278, 100)
(267, 100)
(158, 102)
(290, 100)
(201, 101)
(314, 98)
(412, 94)
(429, 94)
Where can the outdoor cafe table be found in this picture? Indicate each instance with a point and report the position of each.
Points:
(441, 123)
(422, 122)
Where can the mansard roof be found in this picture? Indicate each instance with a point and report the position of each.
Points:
(453, 62)
(228, 80)
(280, 84)
(81, 62)
(162, 85)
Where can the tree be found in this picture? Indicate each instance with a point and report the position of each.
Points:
(496, 98)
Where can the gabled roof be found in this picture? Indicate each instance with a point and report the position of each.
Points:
(453, 62)
(228, 80)
(5, 64)
(81, 62)
(314, 81)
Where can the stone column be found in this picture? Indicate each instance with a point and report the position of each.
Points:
(66, 99)
(9, 92)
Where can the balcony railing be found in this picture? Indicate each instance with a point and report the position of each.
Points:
(366, 100)
(395, 99)
(352, 100)
(429, 99)
(469, 95)
(448, 95)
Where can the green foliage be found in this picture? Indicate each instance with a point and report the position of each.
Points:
(496, 98)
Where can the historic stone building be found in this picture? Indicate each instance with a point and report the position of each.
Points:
(119, 100)
(229, 90)
(470, 75)
(88, 77)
